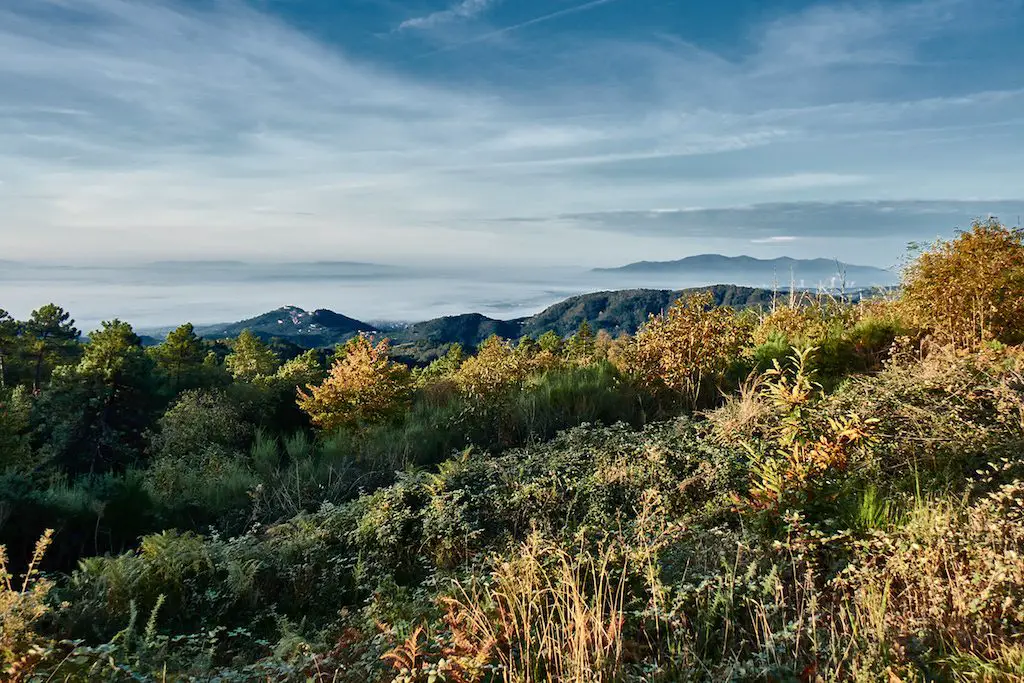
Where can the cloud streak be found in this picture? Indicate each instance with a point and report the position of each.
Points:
(131, 130)
(462, 11)
(499, 32)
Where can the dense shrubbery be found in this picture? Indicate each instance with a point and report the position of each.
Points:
(847, 504)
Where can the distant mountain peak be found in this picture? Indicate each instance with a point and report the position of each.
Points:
(319, 328)
(750, 270)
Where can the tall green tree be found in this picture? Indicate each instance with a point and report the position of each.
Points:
(15, 447)
(300, 372)
(580, 347)
(10, 340)
(180, 357)
(551, 342)
(250, 358)
(52, 338)
(93, 416)
(114, 354)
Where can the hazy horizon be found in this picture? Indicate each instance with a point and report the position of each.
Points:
(152, 297)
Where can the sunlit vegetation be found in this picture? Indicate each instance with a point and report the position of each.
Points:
(815, 490)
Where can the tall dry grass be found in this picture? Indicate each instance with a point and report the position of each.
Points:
(547, 613)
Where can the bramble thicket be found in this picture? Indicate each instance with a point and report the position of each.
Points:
(816, 490)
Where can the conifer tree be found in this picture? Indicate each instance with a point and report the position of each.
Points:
(93, 416)
(51, 337)
(9, 341)
(181, 357)
(250, 358)
(580, 347)
(551, 342)
(114, 354)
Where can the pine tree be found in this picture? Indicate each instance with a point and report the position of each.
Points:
(113, 354)
(10, 330)
(301, 371)
(250, 358)
(181, 357)
(551, 342)
(580, 347)
(51, 336)
(93, 416)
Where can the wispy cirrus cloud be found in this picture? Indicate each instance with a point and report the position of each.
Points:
(461, 11)
(533, 21)
(134, 129)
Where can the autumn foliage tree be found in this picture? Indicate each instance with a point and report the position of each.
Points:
(687, 350)
(364, 387)
(495, 370)
(971, 289)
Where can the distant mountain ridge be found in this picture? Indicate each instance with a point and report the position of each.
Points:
(811, 272)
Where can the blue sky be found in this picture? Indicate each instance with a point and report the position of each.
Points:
(514, 131)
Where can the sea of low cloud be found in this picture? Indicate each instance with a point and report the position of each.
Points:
(160, 295)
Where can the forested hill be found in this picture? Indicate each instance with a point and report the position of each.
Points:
(468, 329)
(617, 312)
(307, 329)
(624, 311)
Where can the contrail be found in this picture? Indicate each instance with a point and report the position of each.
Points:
(530, 22)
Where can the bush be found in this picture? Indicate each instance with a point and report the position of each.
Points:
(847, 338)
(90, 515)
(494, 373)
(947, 587)
(969, 290)
(364, 387)
(687, 351)
(199, 424)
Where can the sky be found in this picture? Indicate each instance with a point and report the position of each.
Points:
(504, 131)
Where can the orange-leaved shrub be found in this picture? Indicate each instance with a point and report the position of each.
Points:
(364, 387)
(969, 290)
(687, 350)
(496, 369)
